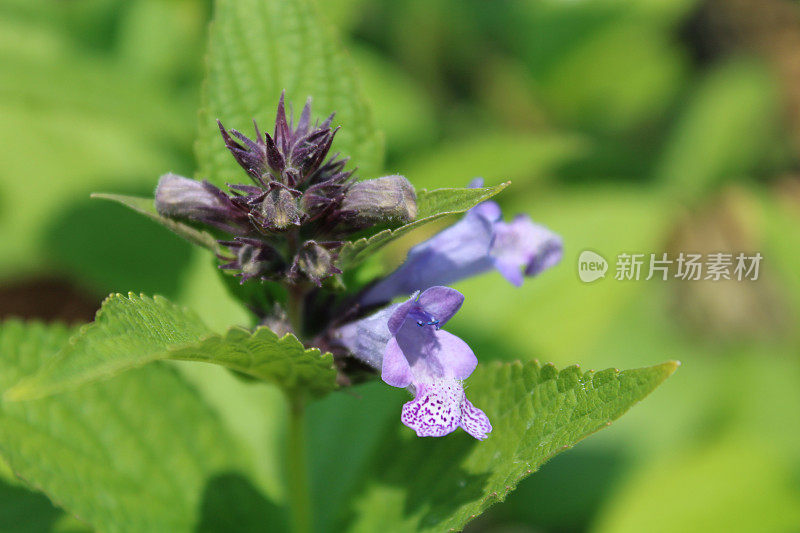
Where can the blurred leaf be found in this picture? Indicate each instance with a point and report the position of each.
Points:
(136, 453)
(102, 247)
(627, 73)
(258, 48)
(164, 39)
(566, 492)
(604, 66)
(431, 205)
(254, 413)
(203, 290)
(403, 110)
(734, 485)
(722, 132)
(73, 121)
(146, 207)
(521, 157)
(536, 412)
(348, 427)
(782, 247)
(342, 13)
(23, 511)
(133, 331)
(232, 503)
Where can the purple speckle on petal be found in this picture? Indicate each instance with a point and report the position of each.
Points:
(474, 421)
(436, 410)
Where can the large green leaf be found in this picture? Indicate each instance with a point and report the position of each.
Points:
(146, 207)
(141, 452)
(431, 205)
(130, 332)
(536, 411)
(257, 49)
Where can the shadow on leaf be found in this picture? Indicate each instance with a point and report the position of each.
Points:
(24, 511)
(232, 503)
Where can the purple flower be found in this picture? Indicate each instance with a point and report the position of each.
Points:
(406, 343)
(479, 242)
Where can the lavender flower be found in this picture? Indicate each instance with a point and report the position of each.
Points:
(478, 243)
(406, 343)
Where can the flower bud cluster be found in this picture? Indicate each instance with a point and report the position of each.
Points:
(301, 207)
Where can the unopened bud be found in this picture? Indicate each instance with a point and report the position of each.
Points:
(279, 209)
(177, 196)
(315, 262)
(390, 198)
(180, 197)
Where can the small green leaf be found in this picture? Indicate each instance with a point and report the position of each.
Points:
(133, 331)
(138, 453)
(431, 205)
(146, 206)
(258, 48)
(536, 411)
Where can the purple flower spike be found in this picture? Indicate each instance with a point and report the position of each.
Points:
(479, 242)
(406, 343)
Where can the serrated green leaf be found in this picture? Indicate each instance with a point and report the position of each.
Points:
(133, 331)
(258, 48)
(146, 206)
(283, 361)
(431, 205)
(141, 452)
(536, 412)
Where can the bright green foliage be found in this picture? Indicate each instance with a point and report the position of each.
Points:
(431, 205)
(136, 453)
(259, 48)
(146, 207)
(536, 411)
(130, 332)
(263, 355)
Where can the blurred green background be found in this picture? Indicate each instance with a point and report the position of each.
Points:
(642, 126)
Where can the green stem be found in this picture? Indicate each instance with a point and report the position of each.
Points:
(299, 496)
